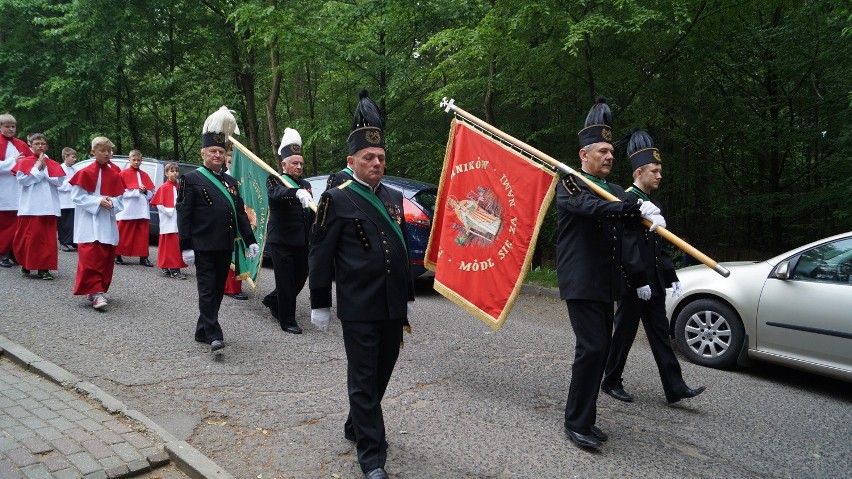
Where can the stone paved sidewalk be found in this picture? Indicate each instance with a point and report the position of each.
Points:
(47, 431)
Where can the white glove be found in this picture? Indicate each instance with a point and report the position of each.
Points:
(644, 292)
(647, 208)
(188, 256)
(254, 250)
(675, 289)
(320, 318)
(304, 197)
(410, 307)
(656, 220)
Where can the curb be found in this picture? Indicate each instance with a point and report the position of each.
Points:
(187, 459)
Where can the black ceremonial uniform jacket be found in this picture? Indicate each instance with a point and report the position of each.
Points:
(337, 179)
(288, 223)
(656, 266)
(205, 217)
(353, 244)
(589, 251)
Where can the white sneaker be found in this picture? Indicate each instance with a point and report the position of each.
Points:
(99, 302)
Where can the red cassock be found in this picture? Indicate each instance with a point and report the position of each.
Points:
(35, 243)
(168, 248)
(133, 233)
(133, 238)
(233, 285)
(95, 263)
(8, 222)
(168, 252)
(9, 219)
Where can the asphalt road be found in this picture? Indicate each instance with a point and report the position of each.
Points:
(464, 402)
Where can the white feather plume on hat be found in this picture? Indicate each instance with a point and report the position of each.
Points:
(221, 121)
(291, 137)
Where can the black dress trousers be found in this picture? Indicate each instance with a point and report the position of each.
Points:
(592, 325)
(290, 264)
(653, 316)
(372, 348)
(211, 270)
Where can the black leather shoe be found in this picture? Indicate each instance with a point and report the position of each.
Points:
(292, 329)
(6, 263)
(45, 275)
(217, 344)
(377, 473)
(349, 435)
(618, 393)
(583, 440)
(145, 262)
(24, 271)
(119, 259)
(240, 296)
(599, 435)
(689, 393)
(66, 248)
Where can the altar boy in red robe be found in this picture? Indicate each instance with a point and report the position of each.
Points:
(98, 196)
(38, 178)
(11, 150)
(168, 250)
(133, 221)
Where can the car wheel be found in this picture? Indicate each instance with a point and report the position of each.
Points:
(710, 333)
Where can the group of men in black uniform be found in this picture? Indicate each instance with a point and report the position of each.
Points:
(605, 254)
(357, 238)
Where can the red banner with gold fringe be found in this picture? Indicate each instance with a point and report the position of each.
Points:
(491, 203)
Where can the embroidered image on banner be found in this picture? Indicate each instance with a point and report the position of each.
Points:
(491, 203)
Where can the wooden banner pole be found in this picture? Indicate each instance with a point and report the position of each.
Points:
(449, 105)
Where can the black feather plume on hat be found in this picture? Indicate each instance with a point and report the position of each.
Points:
(641, 150)
(599, 114)
(366, 125)
(367, 112)
(639, 140)
(598, 126)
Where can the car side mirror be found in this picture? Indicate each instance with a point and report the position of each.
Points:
(782, 271)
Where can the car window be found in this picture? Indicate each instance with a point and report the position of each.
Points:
(830, 262)
(427, 200)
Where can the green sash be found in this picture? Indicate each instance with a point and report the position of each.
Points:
(594, 179)
(239, 257)
(288, 182)
(371, 198)
(639, 193)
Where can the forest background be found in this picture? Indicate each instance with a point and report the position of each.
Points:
(749, 101)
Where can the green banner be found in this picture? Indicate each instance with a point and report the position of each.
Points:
(251, 183)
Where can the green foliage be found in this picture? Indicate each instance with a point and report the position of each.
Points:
(748, 101)
(542, 277)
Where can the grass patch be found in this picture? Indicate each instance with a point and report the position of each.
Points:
(542, 277)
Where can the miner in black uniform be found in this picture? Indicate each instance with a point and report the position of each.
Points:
(213, 228)
(645, 288)
(589, 256)
(290, 218)
(358, 239)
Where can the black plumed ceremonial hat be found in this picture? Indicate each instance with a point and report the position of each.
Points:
(366, 125)
(641, 150)
(598, 126)
(220, 125)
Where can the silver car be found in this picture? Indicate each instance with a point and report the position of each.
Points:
(794, 309)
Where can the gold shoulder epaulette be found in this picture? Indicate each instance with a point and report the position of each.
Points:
(344, 184)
